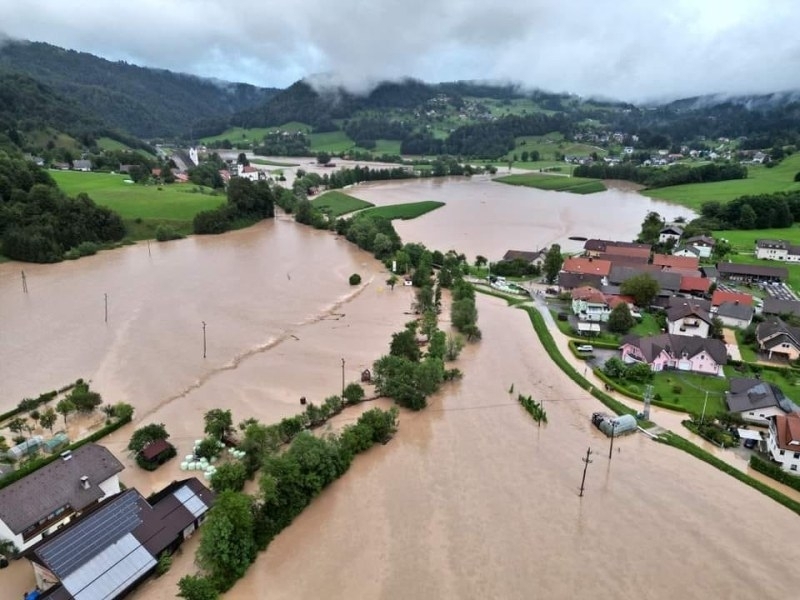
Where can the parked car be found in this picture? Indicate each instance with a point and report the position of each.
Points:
(585, 348)
(750, 444)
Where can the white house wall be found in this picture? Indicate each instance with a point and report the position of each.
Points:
(761, 416)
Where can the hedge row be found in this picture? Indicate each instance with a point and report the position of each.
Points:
(550, 347)
(672, 439)
(596, 343)
(28, 404)
(775, 472)
(579, 355)
(33, 465)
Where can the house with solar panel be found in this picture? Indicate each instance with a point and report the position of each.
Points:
(38, 504)
(105, 553)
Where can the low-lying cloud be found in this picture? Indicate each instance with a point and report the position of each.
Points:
(624, 49)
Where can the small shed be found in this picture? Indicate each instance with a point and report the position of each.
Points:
(366, 376)
(154, 449)
(26, 448)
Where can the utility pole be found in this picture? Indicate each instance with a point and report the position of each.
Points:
(148, 249)
(342, 378)
(703, 416)
(611, 447)
(24, 283)
(204, 338)
(648, 395)
(586, 462)
(105, 296)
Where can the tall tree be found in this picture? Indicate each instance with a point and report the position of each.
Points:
(64, 408)
(147, 434)
(620, 320)
(48, 419)
(642, 287)
(227, 546)
(552, 263)
(219, 423)
(651, 228)
(747, 217)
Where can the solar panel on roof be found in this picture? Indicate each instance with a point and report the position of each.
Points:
(190, 500)
(67, 552)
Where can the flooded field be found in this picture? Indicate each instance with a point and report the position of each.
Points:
(487, 218)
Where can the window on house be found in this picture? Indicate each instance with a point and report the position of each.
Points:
(782, 452)
(797, 455)
(793, 468)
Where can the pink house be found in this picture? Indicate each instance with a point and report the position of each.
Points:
(680, 352)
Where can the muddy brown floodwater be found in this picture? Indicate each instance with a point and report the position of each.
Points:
(470, 499)
(484, 217)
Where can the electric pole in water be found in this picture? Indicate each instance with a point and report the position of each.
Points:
(342, 378)
(24, 283)
(611, 447)
(586, 462)
(204, 338)
(105, 296)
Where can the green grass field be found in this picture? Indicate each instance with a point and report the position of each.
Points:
(237, 135)
(693, 387)
(330, 141)
(386, 147)
(744, 241)
(175, 202)
(337, 203)
(272, 163)
(760, 180)
(412, 210)
(575, 185)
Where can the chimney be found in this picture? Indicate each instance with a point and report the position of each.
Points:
(66, 455)
(85, 482)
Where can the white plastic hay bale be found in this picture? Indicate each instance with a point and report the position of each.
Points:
(189, 457)
(184, 466)
(197, 442)
(213, 460)
(220, 445)
(206, 476)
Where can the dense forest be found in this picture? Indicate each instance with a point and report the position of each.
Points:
(38, 223)
(654, 177)
(144, 102)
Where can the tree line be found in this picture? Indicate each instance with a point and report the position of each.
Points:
(762, 211)
(39, 223)
(247, 202)
(655, 177)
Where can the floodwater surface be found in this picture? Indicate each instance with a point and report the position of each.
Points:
(483, 217)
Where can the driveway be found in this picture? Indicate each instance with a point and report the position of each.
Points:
(729, 335)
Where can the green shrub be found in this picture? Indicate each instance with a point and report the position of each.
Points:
(677, 388)
(772, 470)
(164, 564)
(165, 233)
(355, 279)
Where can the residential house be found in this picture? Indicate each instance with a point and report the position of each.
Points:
(534, 258)
(43, 501)
(569, 281)
(720, 297)
(586, 265)
(710, 273)
(777, 250)
(778, 339)
(106, 553)
(194, 157)
(590, 304)
(671, 262)
(687, 251)
(733, 314)
(595, 247)
(774, 306)
(757, 401)
(669, 351)
(751, 273)
(624, 256)
(251, 173)
(783, 442)
(694, 285)
(702, 243)
(688, 319)
(671, 233)
(81, 165)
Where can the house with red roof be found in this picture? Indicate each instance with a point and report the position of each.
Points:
(784, 441)
(720, 297)
(667, 261)
(694, 285)
(590, 304)
(590, 266)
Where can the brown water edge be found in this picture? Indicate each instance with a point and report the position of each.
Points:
(472, 500)
(484, 217)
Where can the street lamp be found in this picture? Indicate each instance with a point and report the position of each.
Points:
(204, 338)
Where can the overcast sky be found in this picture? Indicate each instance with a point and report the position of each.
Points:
(626, 49)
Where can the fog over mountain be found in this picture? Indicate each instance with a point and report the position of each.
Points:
(626, 49)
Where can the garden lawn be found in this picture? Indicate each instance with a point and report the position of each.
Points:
(747, 352)
(648, 326)
(576, 185)
(760, 180)
(411, 210)
(692, 391)
(337, 204)
(238, 135)
(173, 202)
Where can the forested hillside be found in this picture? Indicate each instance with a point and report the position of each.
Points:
(144, 102)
